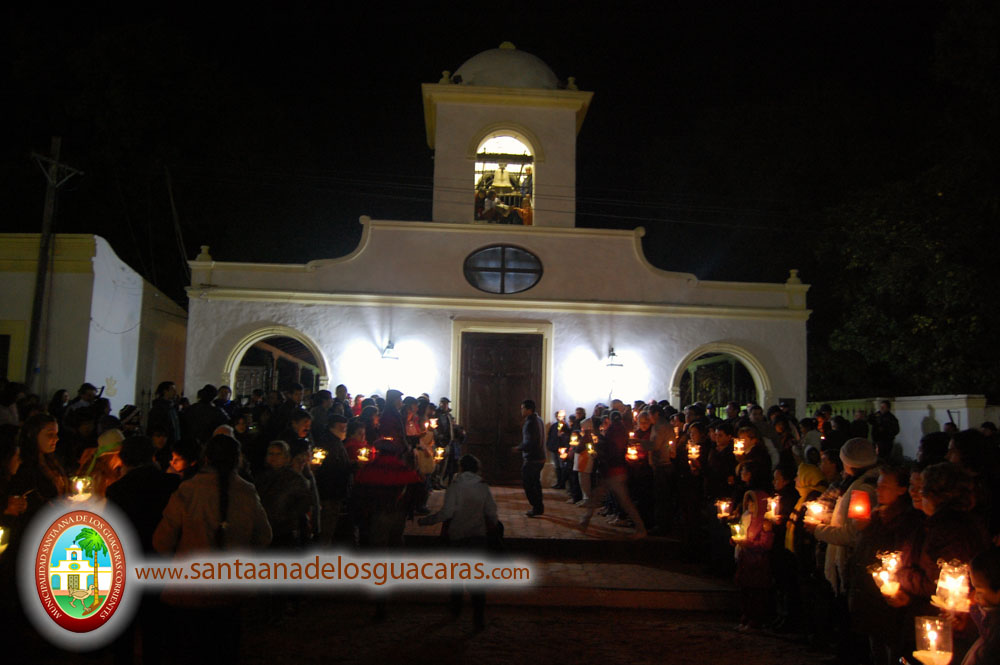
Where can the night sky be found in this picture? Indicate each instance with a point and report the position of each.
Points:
(729, 130)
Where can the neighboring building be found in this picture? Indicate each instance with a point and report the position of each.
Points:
(491, 313)
(102, 322)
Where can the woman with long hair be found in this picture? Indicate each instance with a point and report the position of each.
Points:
(58, 403)
(214, 510)
(40, 478)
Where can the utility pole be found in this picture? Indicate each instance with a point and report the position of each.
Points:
(56, 174)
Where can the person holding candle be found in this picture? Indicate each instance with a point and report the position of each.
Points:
(892, 524)
(755, 451)
(787, 597)
(951, 532)
(753, 568)
(614, 469)
(842, 533)
(556, 438)
(660, 453)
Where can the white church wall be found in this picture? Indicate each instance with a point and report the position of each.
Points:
(458, 128)
(352, 338)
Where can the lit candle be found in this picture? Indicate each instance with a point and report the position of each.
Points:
(564, 453)
(363, 454)
(933, 641)
(3, 540)
(736, 532)
(816, 512)
(574, 439)
(632, 453)
(952, 587)
(860, 506)
(434, 423)
(888, 586)
(885, 574)
(318, 456)
(79, 488)
(427, 424)
(631, 435)
(722, 508)
(694, 450)
(738, 447)
(438, 454)
(772, 509)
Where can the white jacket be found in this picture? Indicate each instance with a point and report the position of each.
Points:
(842, 533)
(469, 505)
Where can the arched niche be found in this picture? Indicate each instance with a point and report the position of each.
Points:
(758, 373)
(241, 347)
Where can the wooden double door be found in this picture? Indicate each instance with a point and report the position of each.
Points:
(498, 372)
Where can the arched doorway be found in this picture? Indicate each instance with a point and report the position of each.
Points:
(273, 358)
(720, 373)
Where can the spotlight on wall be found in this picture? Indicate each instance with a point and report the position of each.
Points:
(613, 358)
(389, 352)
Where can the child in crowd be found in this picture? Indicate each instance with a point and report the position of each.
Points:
(753, 563)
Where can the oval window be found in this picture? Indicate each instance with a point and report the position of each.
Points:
(502, 269)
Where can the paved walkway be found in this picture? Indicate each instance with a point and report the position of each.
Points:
(558, 523)
(602, 568)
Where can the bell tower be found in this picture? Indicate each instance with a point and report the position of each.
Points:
(503, 129)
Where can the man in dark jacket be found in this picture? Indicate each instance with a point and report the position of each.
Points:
(533, 456)
(163, 413)
(143, 490)
(199, 420)
(885, 427)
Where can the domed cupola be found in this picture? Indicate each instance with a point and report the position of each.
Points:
(506, 67)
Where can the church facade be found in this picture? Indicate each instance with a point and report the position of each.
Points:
(499, 297)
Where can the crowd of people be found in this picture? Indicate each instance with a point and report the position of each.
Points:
(283, 471)
(759, 495)
(765, 498)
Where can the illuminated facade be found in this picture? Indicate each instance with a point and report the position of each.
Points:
(430, 287)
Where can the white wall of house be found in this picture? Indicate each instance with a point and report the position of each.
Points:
(115, 316)
(102, 323)
(67, 314)
(162, 343)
